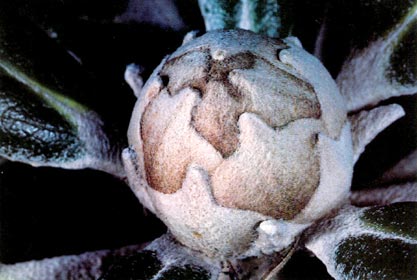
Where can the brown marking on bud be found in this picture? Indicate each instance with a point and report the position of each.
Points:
(215, 117)
(187, 70)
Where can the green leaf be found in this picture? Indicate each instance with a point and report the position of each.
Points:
(30, 57)
(369, 243)
(260, 16)
(369, 257)
(166, 259)
(399, 219)
(188, 272)
(43, 121)
(142, 265)
(218, 14)
(385, 68)
(163, 259)
(30, 130)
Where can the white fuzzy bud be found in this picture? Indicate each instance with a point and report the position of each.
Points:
(229, 133)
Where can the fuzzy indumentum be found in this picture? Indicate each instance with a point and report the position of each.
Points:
(252, 123)
(227, 88)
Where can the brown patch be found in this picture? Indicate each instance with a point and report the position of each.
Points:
(198, 85)
(215, 118)
(220, 69)
(150, 147)
(174, 70)
(155, 120)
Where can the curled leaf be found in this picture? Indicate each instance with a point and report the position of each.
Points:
(366, 125)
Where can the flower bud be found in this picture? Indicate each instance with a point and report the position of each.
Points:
(234, 129)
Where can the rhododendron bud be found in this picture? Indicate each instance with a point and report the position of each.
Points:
(234, 129)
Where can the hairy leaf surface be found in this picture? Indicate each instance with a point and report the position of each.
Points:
(43, 121)
(260, 16)
(369, 243)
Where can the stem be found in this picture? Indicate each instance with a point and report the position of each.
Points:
(274, 272)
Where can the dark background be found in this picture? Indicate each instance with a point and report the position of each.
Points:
(46, 212)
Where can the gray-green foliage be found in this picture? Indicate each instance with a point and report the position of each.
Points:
(43, 119)
(163, 259)
(31, 130)
(370, 75)
(260, 16)
(370, 243)
(368, 257)
(399, 219)
(43, 122)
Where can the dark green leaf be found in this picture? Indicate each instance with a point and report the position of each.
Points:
(369, 76)
(146, 265)
(369, 257)
(398, 218)
(30, 130)
(163, 259)
(43, 119)
(141, 266)
(30, 57)
(218, 14)
(188, 272)
(371, 243)
(260, 16)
